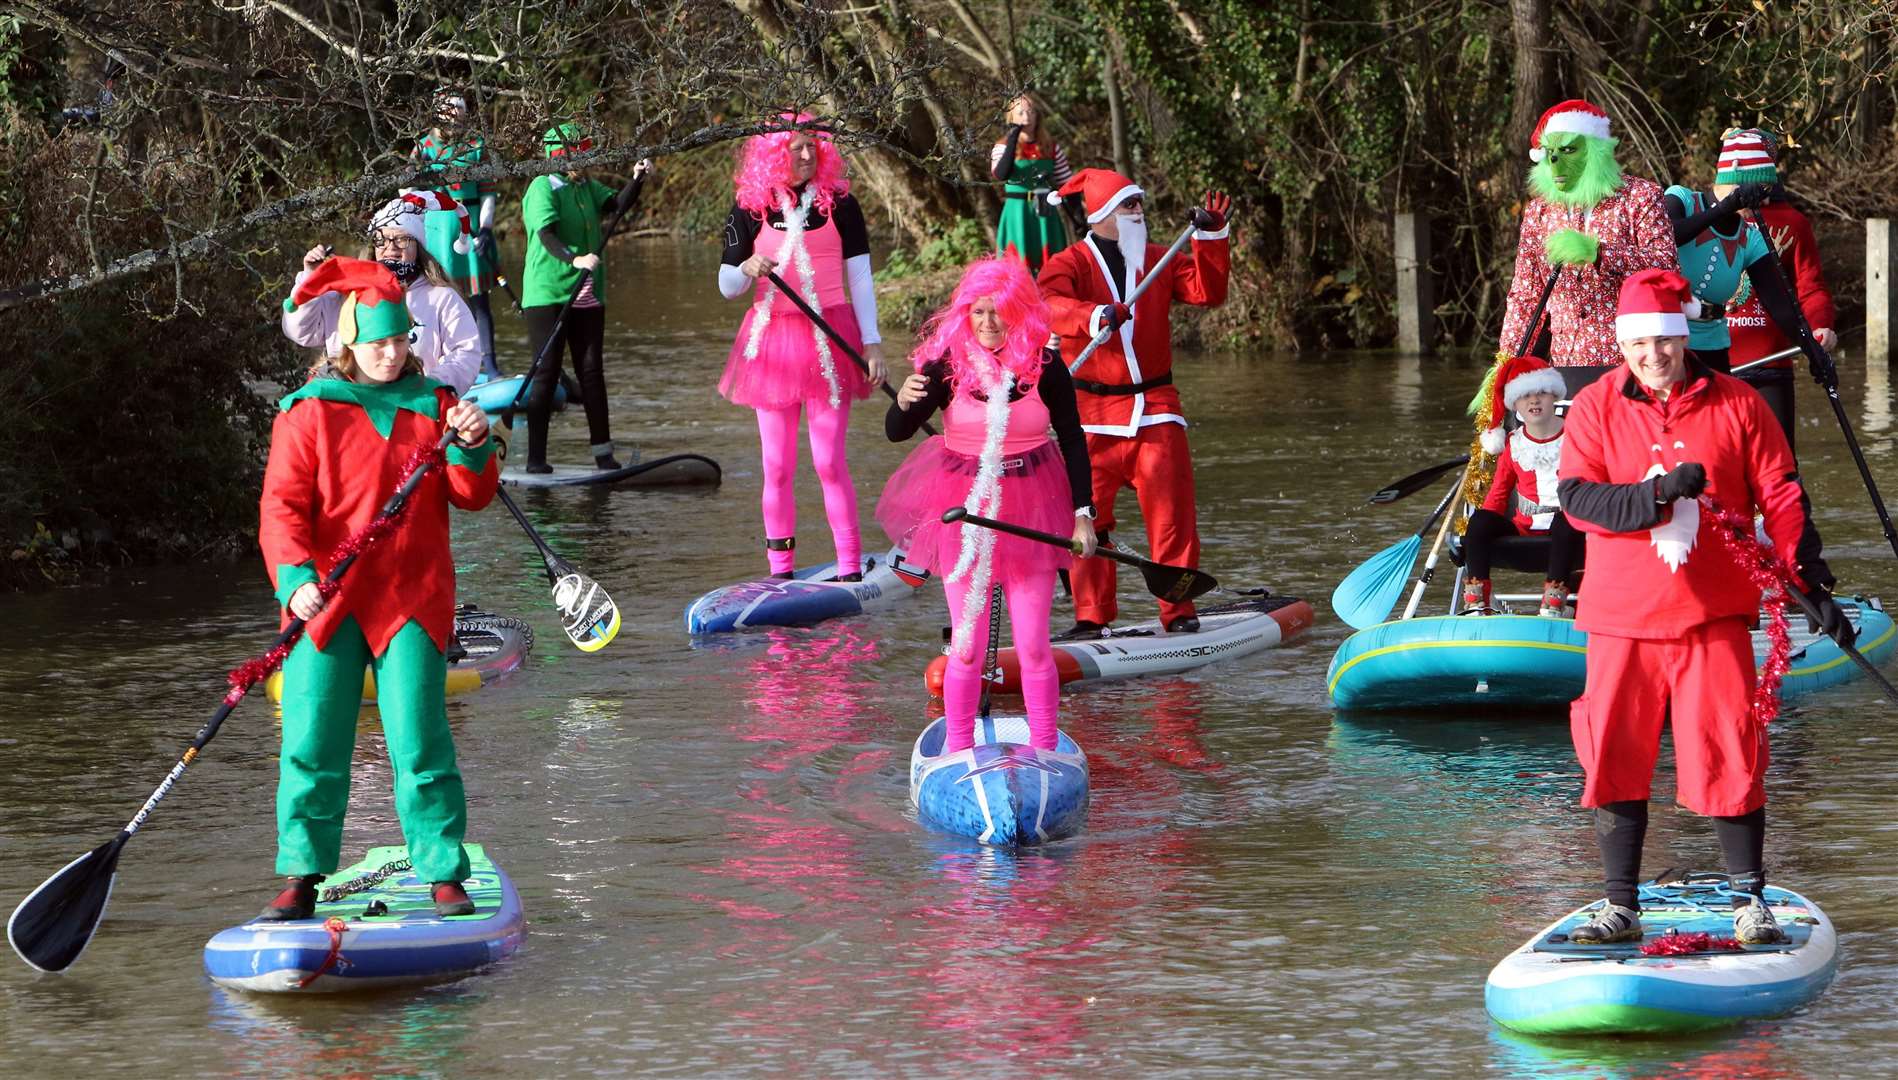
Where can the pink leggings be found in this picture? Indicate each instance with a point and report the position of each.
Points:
(777, 432)
(1029, 598)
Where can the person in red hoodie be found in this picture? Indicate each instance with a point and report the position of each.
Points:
(1666, 605)
(1136, 430)
(337, 450)
(1522, 499)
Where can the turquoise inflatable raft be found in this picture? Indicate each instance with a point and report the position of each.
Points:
(1524, 661)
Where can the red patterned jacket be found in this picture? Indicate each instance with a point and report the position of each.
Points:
(1754, 335)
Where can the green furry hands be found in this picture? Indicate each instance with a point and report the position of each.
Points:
(1570, 247)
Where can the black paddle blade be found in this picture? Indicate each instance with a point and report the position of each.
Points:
(1177, 584)
(55, 923)
(587, 613)
(1415, 482)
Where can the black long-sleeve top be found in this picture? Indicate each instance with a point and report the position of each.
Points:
(1056, 388)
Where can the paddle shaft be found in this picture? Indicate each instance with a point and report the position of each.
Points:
(1430, 561)
(493, 263)
(836, 338)
(990, 676)
(546, 553)
(1133, 298)
(1812, 613)
(1105, 551)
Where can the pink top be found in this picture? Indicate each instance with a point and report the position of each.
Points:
(965, 428)
(826, 248)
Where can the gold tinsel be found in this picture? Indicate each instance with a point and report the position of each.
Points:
(1476, 478)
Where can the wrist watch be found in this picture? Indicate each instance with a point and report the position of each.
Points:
(1085, 512)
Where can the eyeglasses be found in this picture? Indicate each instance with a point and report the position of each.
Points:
(379, 242)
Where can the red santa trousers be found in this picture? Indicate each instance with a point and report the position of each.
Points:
(1157, 465)
(1701, 682)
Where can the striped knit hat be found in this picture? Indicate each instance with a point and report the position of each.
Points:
(1746, 157)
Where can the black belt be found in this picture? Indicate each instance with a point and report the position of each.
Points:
(1033, 196)
(1123, 389)
(1710, 312)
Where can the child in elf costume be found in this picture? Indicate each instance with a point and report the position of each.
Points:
(336, 450)
(1522, 499)
(983, 363)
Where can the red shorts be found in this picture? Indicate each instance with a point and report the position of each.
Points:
(1702, 682)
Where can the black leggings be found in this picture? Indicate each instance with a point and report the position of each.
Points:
(584, 334)
(1620, 827)
(1777, 388)
(1487, 526)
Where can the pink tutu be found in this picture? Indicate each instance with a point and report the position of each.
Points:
(934, 478)
(786, 371)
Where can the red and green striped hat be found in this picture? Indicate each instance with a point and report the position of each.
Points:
(1747, 157)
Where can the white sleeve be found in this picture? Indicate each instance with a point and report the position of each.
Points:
(733, 282)
(314, 324)
(460, 359)
(863, 297)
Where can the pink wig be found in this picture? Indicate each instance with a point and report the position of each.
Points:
(948, 335)
(764, 168)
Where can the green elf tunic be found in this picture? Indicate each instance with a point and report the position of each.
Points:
(336, 451)
(1029, 229)
(444, 227)
(1714, 265)
(572, 207)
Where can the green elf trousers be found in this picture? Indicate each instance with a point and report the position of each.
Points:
(322, 696)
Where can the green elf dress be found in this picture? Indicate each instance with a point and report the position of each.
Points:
(1030, 228)
(465, 271)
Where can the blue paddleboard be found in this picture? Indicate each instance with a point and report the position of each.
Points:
(1002, 791)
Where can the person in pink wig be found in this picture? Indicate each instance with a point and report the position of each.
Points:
(794, 215)
(983, 363)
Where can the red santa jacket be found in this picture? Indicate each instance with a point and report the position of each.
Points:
(1527, 471)
(1074, 283)
(336, 451)
(1754, 335)
(1662, 581)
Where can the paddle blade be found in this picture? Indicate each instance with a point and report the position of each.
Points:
(1365, 597)
(55, 923)
(587, 613)
(1415, 482)
(1177, 584)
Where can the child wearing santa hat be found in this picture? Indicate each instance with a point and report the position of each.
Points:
(337, 449)
(1522, 499)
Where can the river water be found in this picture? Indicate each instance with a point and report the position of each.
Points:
(714, 846)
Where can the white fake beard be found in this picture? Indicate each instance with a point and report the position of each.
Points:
(1674, 538)
(1133, 247)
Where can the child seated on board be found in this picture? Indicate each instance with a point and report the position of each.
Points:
(1522, 499)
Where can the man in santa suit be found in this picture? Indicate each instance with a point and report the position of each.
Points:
(1667, 605)
(1136, 430)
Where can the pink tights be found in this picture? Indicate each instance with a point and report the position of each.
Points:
(777, 432)
(1029, 598)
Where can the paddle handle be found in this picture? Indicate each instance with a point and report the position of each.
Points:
(1448, 510)
(1146, 279)
(836, 338)
(1105, 551)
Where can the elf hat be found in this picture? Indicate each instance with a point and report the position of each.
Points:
(1574, 116)
(1515, 377)
(1654, 303)
(409, 212)
(565, 139)
(1100, 189)
(374, 307)
(1746, 157)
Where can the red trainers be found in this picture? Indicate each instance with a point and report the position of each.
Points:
(451, 899)
(297, 901)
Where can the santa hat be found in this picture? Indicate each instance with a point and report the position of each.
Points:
(1746, 157)
(1574, 116)
(409, 212)
(375, 305)
(1513, 377)
(1654, 303)
(1100, 189)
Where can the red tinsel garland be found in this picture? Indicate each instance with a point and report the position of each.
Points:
(1772, 578)
(1700, 941)
(251, 672)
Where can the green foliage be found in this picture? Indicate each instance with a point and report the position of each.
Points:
(29, 72)
(956, 244)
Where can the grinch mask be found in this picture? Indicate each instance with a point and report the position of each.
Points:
(1576, 170)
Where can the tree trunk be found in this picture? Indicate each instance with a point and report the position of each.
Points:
(1116, 113)
(1530, 25)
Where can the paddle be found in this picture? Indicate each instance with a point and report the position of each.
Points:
(1812, 613)
(588, 615)
(836, 338)
(1366, 595)
(1436, 547)
(1831, 386)
(1175, 584)
(991, 674)
(54, 924)
(1783, 354)
(1146, 279)
(493, 262)
(1415, 482)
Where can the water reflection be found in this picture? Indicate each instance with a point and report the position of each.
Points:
(388, 1033)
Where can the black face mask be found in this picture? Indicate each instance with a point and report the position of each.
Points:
(404, 272)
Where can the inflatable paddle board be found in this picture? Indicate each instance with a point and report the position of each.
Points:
(1552, 986)
(496, 394)
(1003, 791)
(1225, 632)
(676, 470)
(384, 932)
(492, 646)
(806, 599)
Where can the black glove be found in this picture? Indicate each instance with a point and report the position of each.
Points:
(1687, 481)
(1747, 196)
(1821, 367)
(484, 243)
(1831, 621)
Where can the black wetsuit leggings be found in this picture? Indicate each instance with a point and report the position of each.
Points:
(1487, 526)
(1620, 827)
(583, 333)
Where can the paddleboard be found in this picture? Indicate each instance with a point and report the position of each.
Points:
(496, 394)
(1225, 632)
(1525, 661)
(806, 599)
(385, 934)
(676, 470)
(492, 646)
(1002, 791)
(1552, 986)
